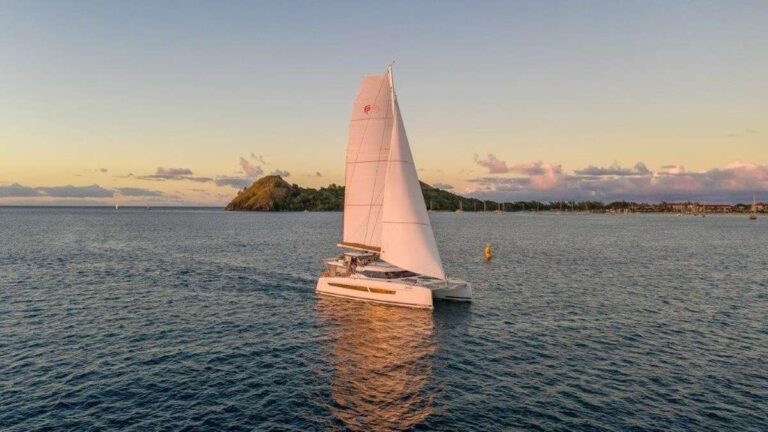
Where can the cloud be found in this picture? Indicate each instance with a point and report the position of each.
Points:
(528, 168)
(163, 174)
(250, 169)
(69, 191)
(535, 175)
(745, 132)
(258, 158)
(235, 182)
(198, 179)
(317, 174)
(503, 184)
(443, 186)
(731, 183)
(17, 190)
(172, 172)
(671, 169)
(103, 170)
(494, 165)
(138, 192)
(614, 170)
(281, 173)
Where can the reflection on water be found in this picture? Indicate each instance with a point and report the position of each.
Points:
(382, 363)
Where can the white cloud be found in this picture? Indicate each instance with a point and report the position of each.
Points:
(729, 184)
(494, 165)
(250, 169)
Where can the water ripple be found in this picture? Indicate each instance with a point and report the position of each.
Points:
(205, 320)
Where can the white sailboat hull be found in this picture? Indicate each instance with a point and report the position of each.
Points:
(395, 259)
(376, 291)
(455, 290)
(394, 292)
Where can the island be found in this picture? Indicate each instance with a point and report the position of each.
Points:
(272, 193)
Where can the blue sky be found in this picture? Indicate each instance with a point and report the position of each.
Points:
(134, 87)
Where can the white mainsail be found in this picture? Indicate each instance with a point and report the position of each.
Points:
(407, 240)
(370, 132)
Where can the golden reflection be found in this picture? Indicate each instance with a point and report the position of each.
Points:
(382, 363)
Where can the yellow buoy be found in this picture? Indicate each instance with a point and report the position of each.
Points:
(488, 252)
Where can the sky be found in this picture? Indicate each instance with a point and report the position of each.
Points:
(183, 102)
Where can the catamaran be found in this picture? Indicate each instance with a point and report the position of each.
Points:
(390, 254)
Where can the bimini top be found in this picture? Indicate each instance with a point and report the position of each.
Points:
(357, 254)
(379, 267)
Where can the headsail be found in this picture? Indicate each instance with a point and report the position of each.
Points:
(407, 238)
(370, 131)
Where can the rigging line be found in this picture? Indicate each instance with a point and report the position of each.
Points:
(379, 214)
(380, 196)
(376, 175)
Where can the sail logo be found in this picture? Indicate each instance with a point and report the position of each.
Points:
(368, 108)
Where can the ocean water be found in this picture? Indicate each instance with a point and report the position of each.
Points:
(170, 319)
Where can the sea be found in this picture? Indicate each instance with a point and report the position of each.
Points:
(199, 319)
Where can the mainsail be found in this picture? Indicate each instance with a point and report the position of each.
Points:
(370, 132)
(407, 238)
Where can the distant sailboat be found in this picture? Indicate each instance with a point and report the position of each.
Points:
(461, 208)
(753, 212)
(117, 206)
(391, 255)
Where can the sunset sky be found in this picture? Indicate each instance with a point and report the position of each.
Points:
(181, 103)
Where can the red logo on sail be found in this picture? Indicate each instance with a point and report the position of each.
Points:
(367, 109)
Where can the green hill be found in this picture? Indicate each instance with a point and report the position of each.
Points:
(272, 193)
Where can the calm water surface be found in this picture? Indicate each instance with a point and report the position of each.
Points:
(207, 320)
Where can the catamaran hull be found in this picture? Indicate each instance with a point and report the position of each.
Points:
(376, 291)
(394, 293)
(456, 291)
